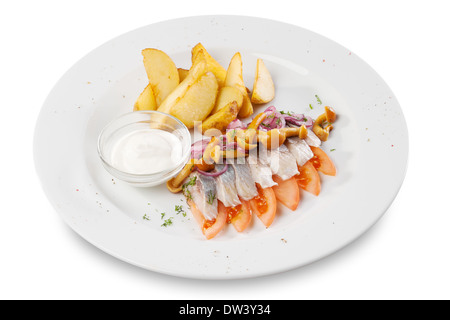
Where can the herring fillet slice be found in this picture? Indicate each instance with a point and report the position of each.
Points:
(203, 194)
(245, 184)
(299, 149)
(226, 187)
(282, 162)
(312, 140)
(261, 172)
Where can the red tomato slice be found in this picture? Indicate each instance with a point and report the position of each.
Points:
(210, 228)
(264, 205)
(309, 179)
(287, 192)
(322, 162)
(239, 216)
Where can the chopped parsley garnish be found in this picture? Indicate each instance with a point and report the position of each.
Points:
(211, 197)
(163, 215)
(332, 149)
(146, 217)
(289, 113)
(179, 209)
(191, 182)
(318, 99)
(186, 192)
(167, 222)
(310, 106)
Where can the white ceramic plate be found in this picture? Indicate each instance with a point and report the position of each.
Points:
(370, 142)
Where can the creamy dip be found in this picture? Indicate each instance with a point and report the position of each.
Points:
(146, 151)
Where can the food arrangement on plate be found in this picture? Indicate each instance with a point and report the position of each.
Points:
(239, 168)
(141, 226)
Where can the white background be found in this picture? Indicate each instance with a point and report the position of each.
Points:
(405, 256)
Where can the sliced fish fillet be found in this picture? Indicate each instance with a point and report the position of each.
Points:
(312, 140)
(299, 149)
(245, 184)
(203, 193)
(226, 187)
(261, 172)
(282, 162)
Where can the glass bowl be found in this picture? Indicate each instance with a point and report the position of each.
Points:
(139, 120)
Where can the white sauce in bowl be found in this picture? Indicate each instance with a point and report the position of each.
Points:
(146, 151)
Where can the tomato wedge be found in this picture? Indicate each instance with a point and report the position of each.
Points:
(287, 192)
(264, 205)
(309, 179)
(239, 216)
(210, 228)
(322, 162)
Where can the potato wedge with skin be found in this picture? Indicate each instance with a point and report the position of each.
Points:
(182, 73)
(227, 95)
(235, 79)
(198, 101)
(234, 76)
(263, 87)
(213, 65)
(221, 119)
(194, 74)
(146, 100)
(247, 107)
(200, 55)
(161, 72)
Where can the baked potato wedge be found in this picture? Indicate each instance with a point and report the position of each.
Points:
(182, 73)
(227, 95)
(221, 119)
(196, 71)
(198, 101)
(212, 64)
(263, 87)
(235, 79)
(146, 100)
(161, 72)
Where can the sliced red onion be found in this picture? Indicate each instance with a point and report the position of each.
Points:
(236, 124)
(266, 124)
(310, 122)
(270, 110)
(299, 120)
(280, 121)
(198, 147)
(274, 120)
(225, 144)
(215, 173)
